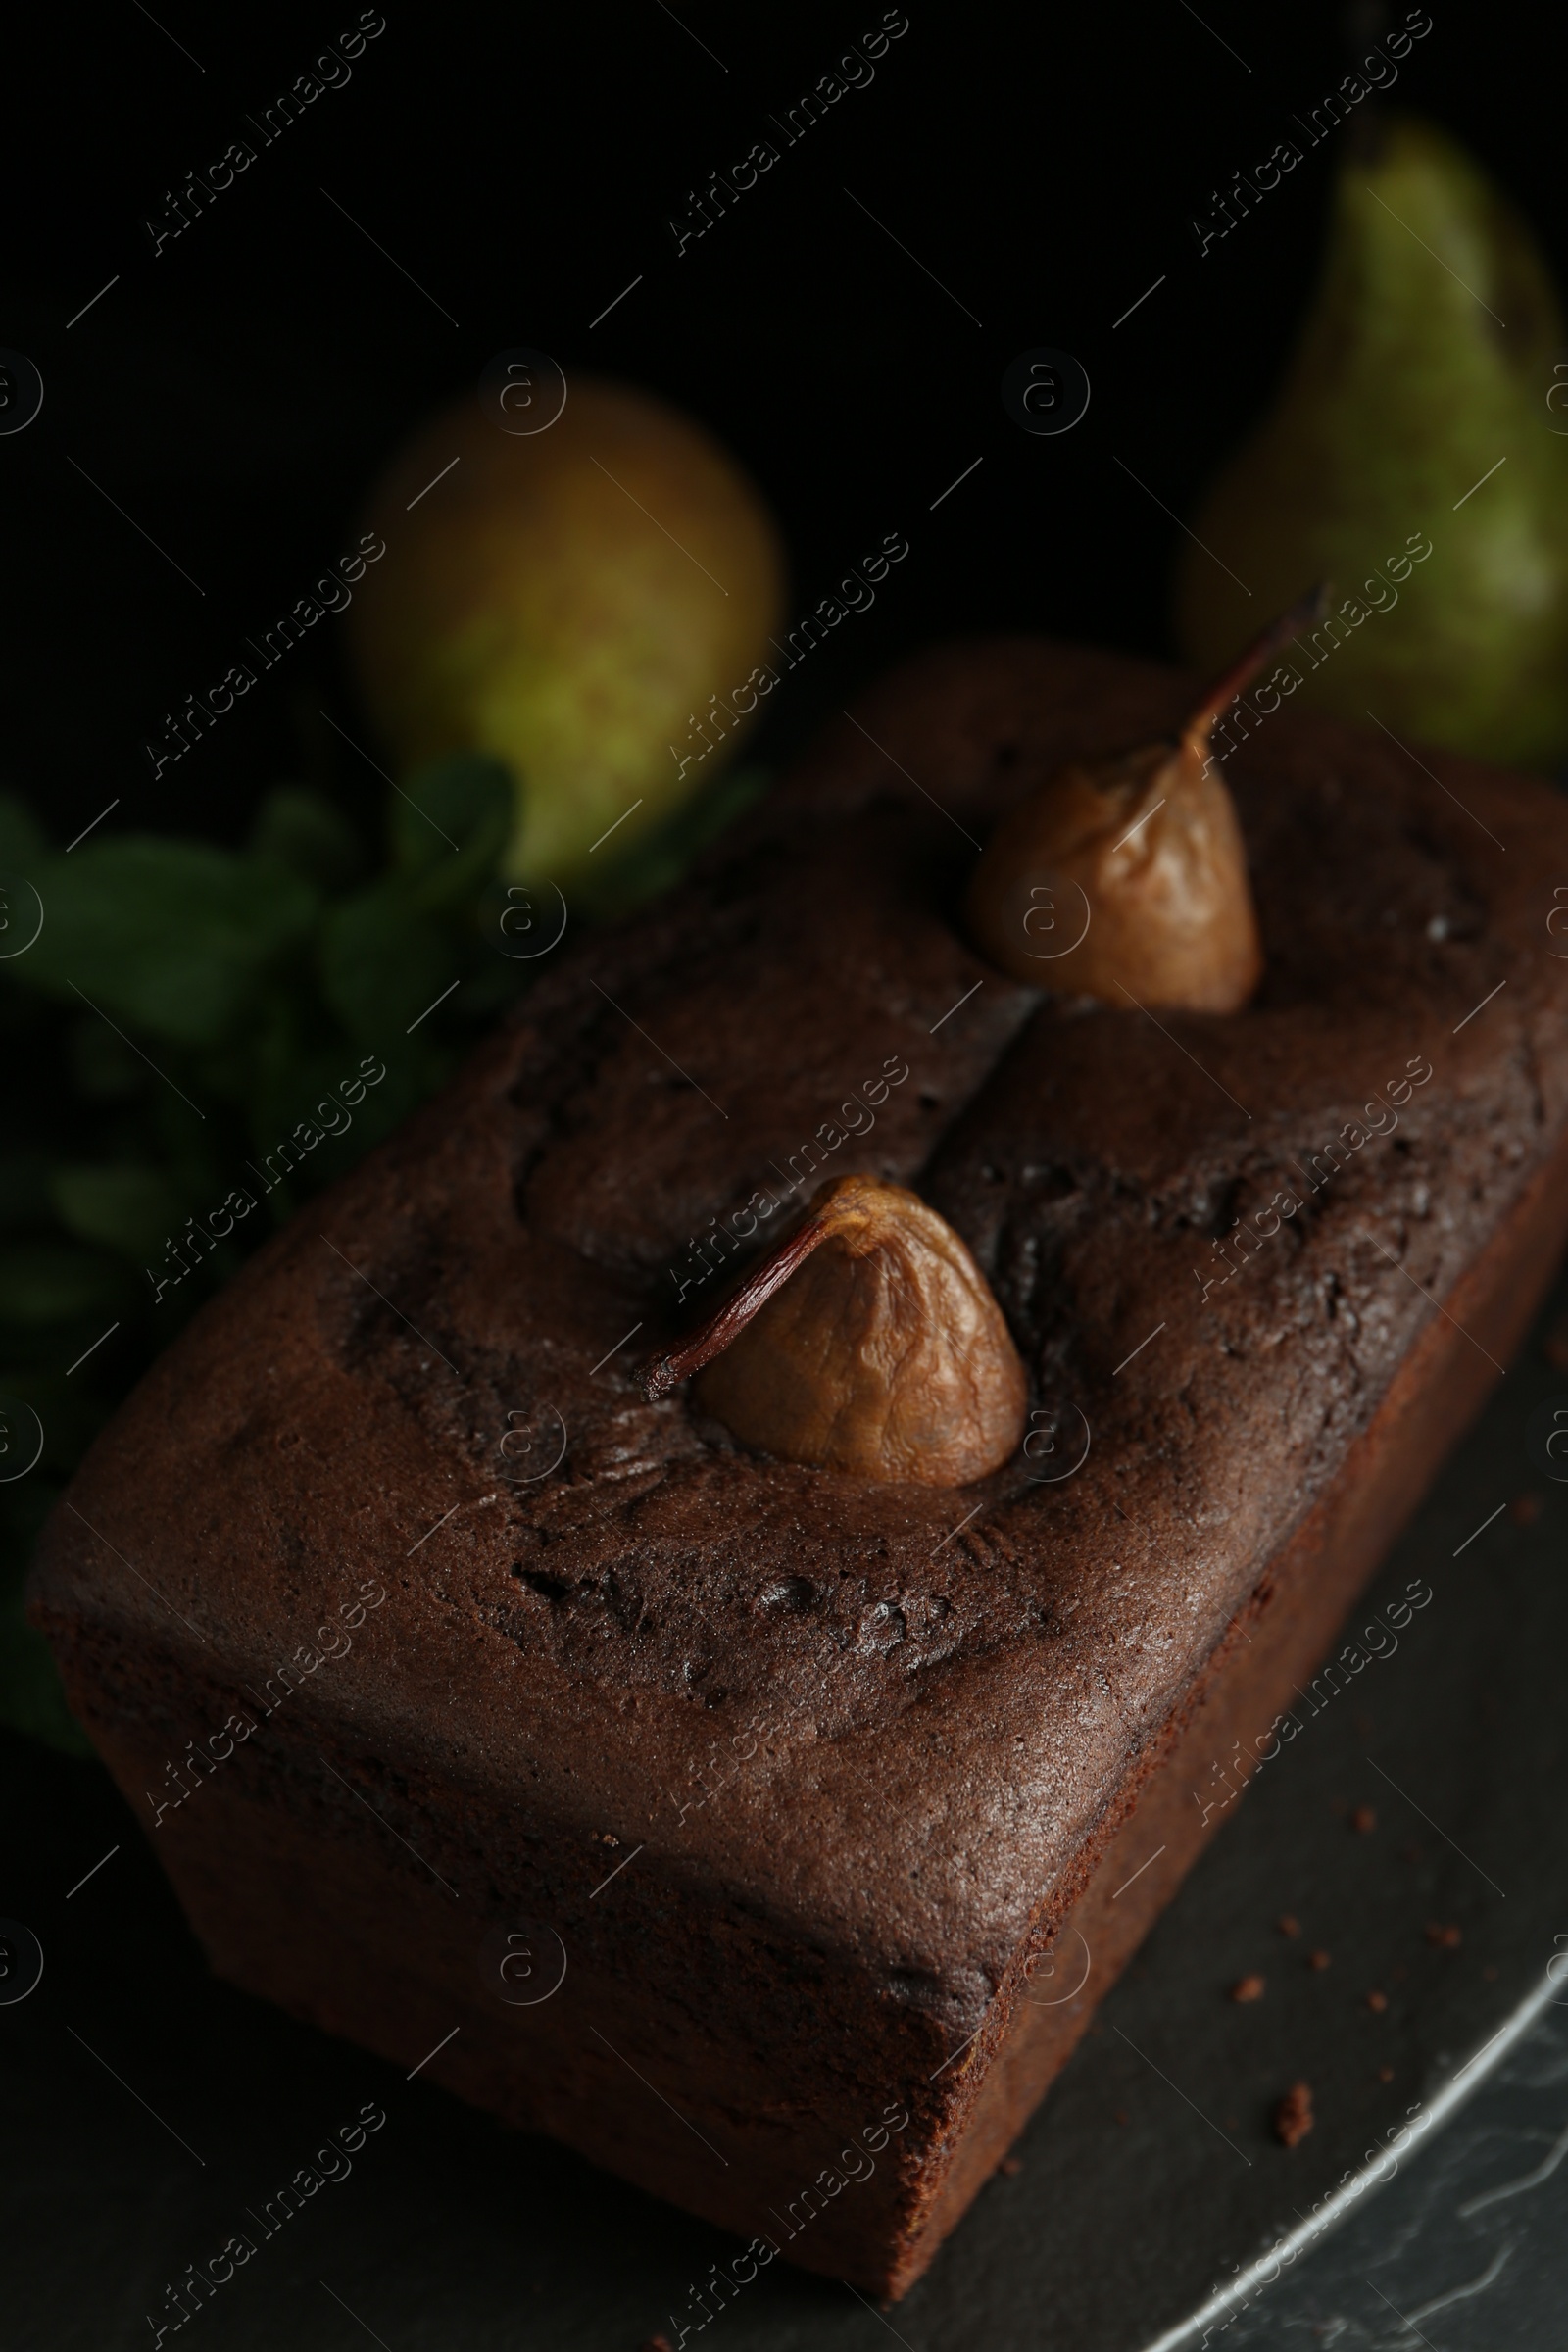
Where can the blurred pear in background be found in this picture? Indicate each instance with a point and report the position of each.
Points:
(564, 600)
(1426, 365)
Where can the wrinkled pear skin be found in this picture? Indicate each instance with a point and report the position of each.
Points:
(885, 1355)
(534, 607)
(1404, 391)
(1153, 843)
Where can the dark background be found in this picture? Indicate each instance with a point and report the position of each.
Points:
(238, 394)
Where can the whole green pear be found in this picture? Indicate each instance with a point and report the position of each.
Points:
(1413, 413)
(566, 602)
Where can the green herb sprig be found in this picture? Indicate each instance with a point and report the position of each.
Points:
(183, 1013)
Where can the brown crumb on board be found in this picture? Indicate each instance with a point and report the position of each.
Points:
(1384, 2074)
(1526, 1509)
(1010, 2165)
(1365, 1820)
(1247, 1988)
(1288, 1924)
(1320, 1960)
(1378, 2001)
(1293, 2117)
(1447, 1939)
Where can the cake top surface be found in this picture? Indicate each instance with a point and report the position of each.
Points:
(892, 1713)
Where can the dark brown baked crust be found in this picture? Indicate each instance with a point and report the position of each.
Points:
(869, 1741)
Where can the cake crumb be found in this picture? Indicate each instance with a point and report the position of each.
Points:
(1121, 2115)
(1320, 1960)
(1293, 2117)
(1288, 1924)
(1384, 2074)
(1365, 1820)
(1010, 2165)
(1445, 1939)
(1247, 1988)
(1378, 2001)
(657, 2343)
(1525, 1509)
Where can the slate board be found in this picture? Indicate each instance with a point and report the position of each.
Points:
(150, 2106)
(1463, 2251)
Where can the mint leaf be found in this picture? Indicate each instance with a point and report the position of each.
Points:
(303, 834)
(131, 1210)
(382, 961)
(450, 825)
(171, 936)
(50, 1281)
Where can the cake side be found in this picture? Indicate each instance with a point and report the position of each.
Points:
(1253, 1688)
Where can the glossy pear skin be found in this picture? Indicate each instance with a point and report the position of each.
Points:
(535, 605)
(1145, 849)
(878, 1348)
(1405, 391)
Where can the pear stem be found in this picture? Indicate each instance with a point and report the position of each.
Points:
(1308, 611)
(728, 1321)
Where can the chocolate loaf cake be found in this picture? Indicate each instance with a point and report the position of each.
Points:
(766, 1832)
